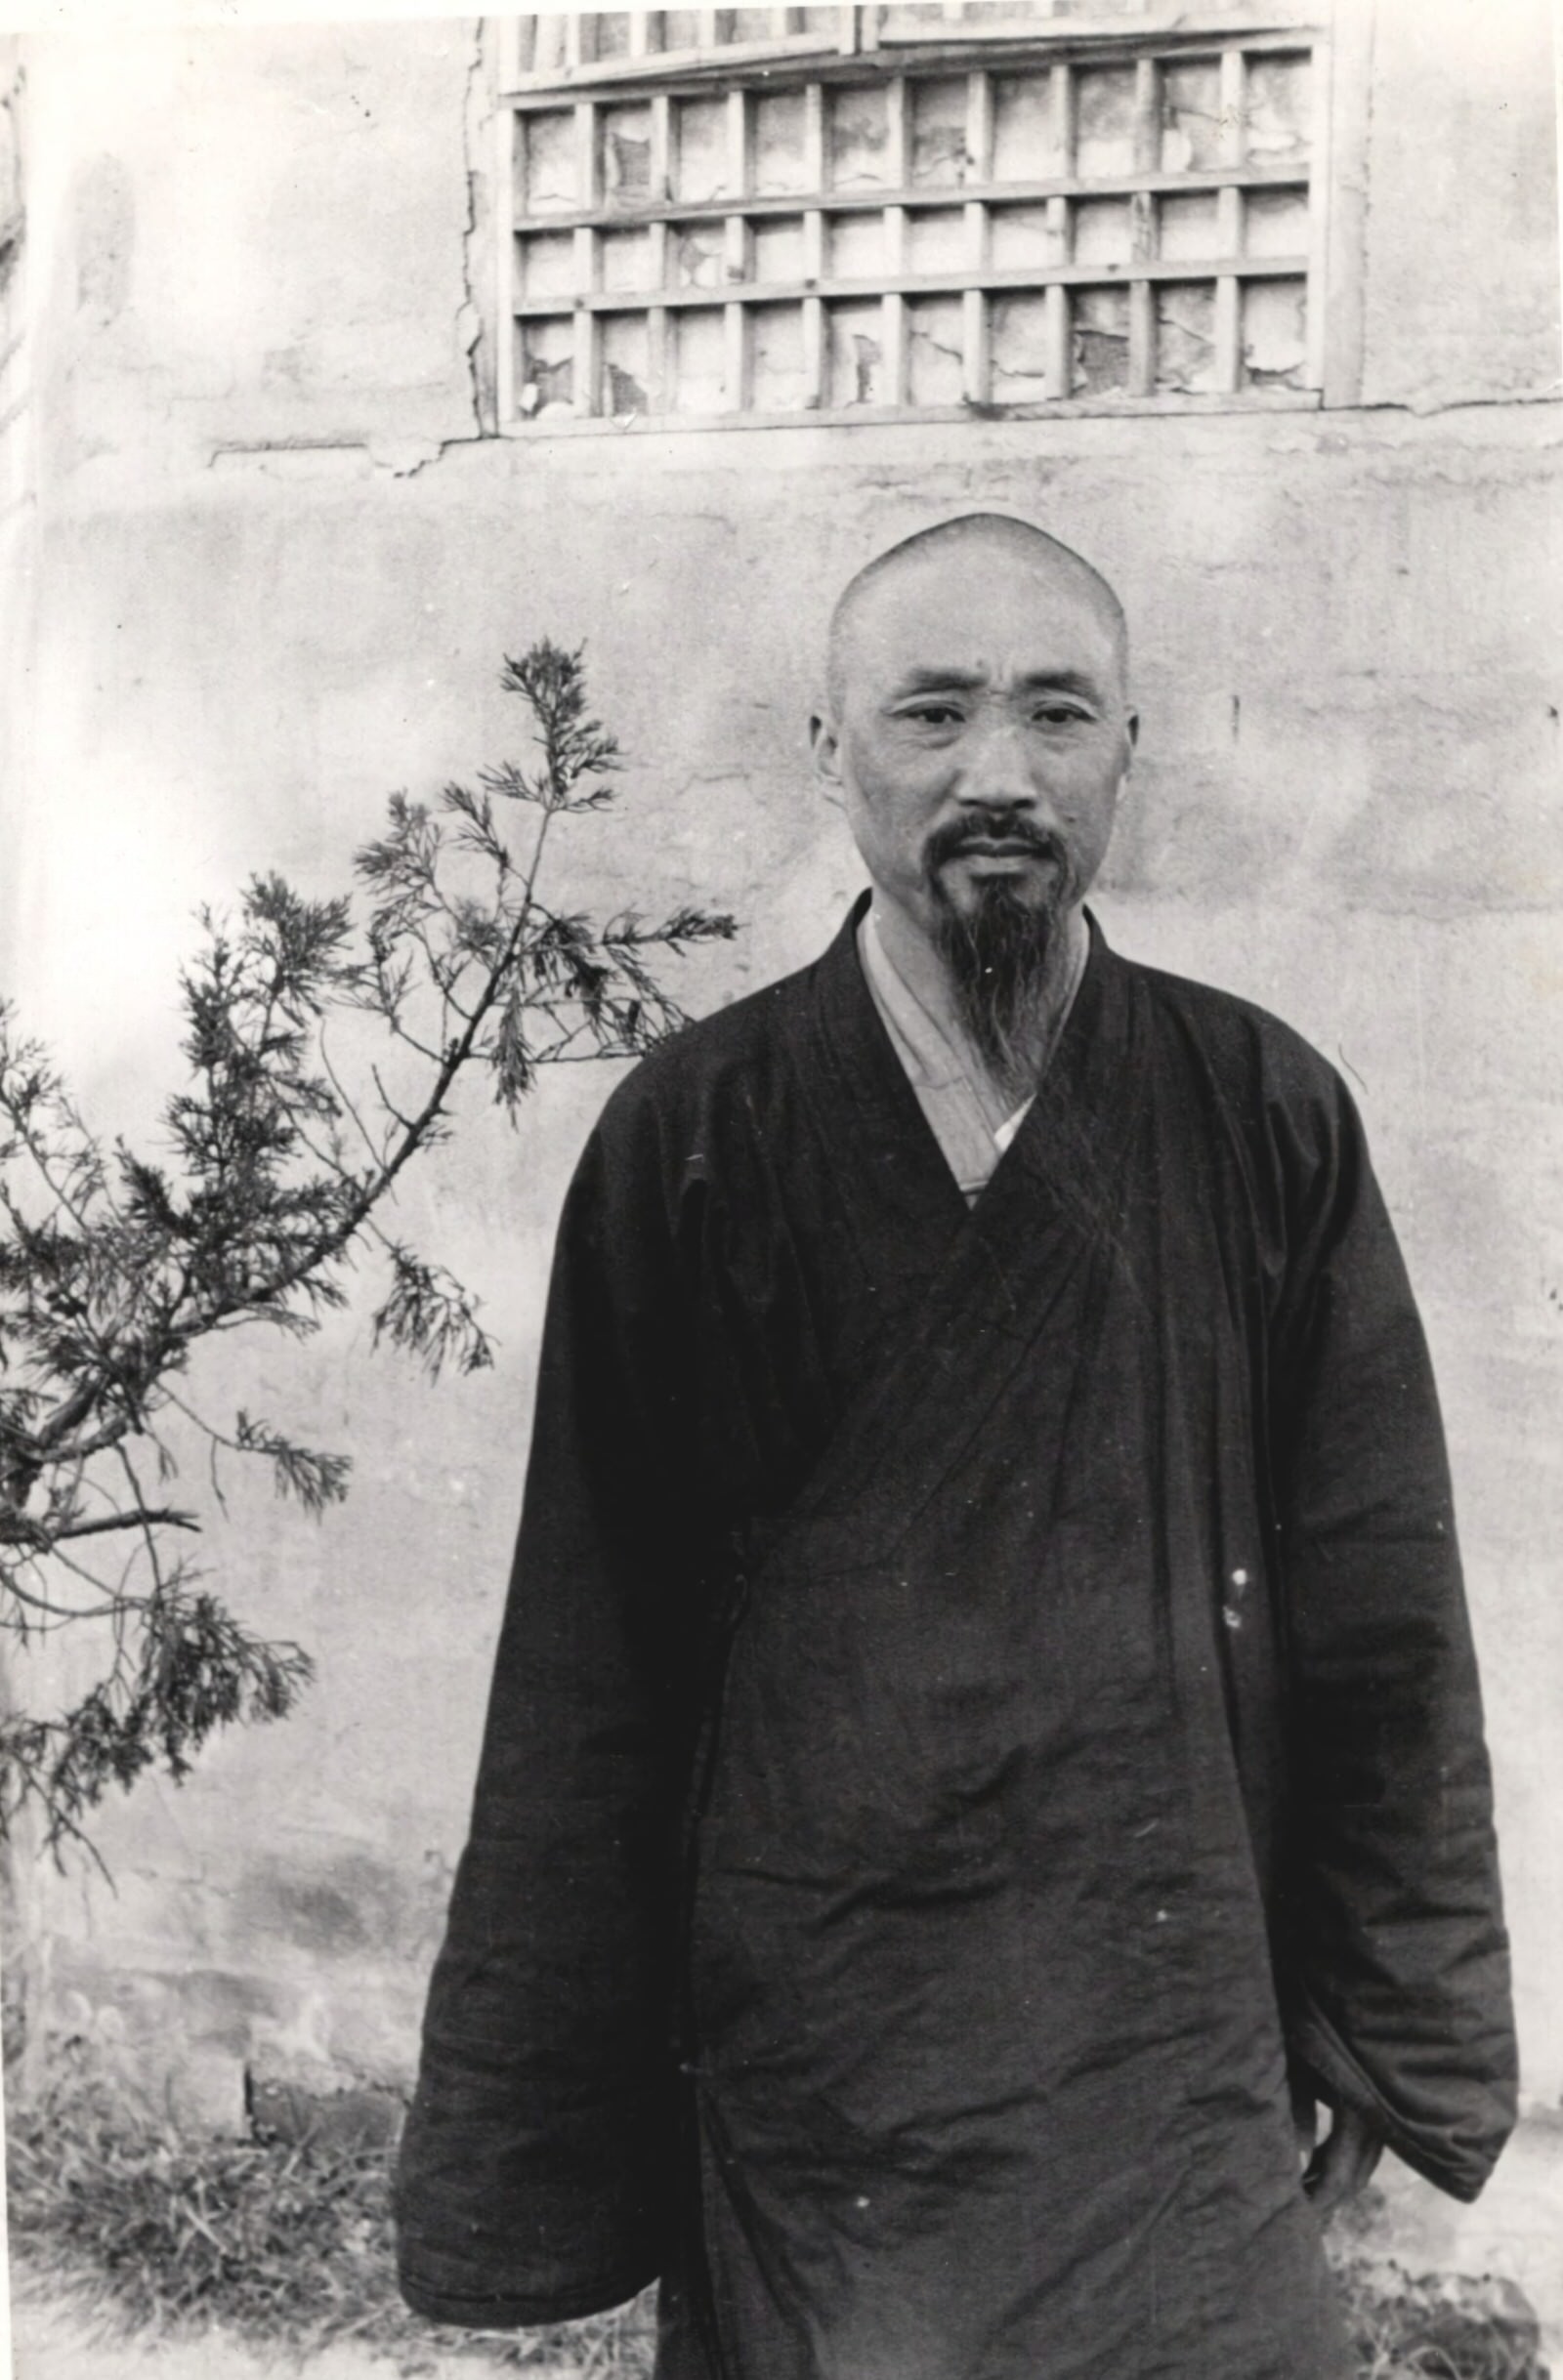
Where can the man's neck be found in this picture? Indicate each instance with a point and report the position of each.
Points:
(920, 965)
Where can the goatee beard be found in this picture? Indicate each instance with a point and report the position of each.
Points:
(1009, 961)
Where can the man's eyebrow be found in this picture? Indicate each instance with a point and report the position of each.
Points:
(924, 678)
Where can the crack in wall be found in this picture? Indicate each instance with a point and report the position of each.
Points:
(475, 114)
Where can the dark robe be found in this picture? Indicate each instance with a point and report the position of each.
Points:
(982, 1695)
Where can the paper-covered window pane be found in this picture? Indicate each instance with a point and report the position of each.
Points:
(1188, 227)
(854, 355)
(626, 260)
(1018, 348)
(745, 25)
(546, 375)
(939, 131)
(1278, 114)
(622, 387)
(937, 240)
(776, 359)
(696, 336)
(934, 355)
(854, 247)
(1275, 334)
(780, 136)
(1191, 115)
(698, 252)
(1185, 337)
(548, 266)
(1025, 129)
(605, 33)
(1102, 231)
(550, 183)
(1018, 237)
(681, 28)
(626, 155)
(779, 248)
(1099, 341)
(1274, 223)
(1104, 120)
(858, 136)
(699, 149)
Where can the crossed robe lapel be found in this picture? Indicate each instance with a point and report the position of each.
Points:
(976, 1286)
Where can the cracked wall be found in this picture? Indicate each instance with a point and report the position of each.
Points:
(279, 567)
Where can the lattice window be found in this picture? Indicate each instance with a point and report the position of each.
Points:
(762, 214)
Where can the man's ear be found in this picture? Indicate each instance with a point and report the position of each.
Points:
(1133, 723)
(825, 742)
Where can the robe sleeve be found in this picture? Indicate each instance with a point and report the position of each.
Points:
(1397, 1955)
(535, 2163)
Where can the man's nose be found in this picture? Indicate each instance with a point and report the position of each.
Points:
(997, 771)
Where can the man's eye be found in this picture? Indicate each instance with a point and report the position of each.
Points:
(1058, 714)
(934, 714)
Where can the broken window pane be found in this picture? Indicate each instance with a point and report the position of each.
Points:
(855, 353)
(776, 359)
(1188, 227)
(1018, 331)
(935, 354)
(697, 250)
(937, 240)
(1103, 232)
(938, 132)
(696, 335)
(1275, 334)
(1024, 132)
(1099, 341)
(1277, 116)
(626, 155)
(546, 375)
(780, 158)
(549, 179)
(699, 149)
(1185, 337)
(1274, 223)
(626, 260)
(779, 248)
(854, 249)
(859, 134)
(622, 387)
(1104, 120)
(1023, 235)
(1191, 115)
(548, 266)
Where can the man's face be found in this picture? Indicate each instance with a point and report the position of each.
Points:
(980, 733)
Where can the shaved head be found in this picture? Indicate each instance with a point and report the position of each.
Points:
(971, 536)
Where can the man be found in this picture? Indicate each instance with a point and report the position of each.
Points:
(985, 1697)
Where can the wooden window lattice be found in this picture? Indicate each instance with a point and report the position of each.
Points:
(932, 226)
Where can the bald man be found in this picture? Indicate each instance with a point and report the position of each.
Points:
(984, 1726)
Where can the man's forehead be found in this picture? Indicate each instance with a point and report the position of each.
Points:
(973, 605)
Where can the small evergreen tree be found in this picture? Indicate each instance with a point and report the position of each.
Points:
(278, 1172)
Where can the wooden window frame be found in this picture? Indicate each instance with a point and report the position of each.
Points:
(863, 49)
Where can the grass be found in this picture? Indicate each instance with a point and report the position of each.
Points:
(285, 2246)
(289, 2247)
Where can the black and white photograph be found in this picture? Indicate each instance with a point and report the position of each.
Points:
(781, 1285)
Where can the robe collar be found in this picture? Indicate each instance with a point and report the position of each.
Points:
(905, 1204)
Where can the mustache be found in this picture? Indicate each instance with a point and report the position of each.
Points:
(985, 831)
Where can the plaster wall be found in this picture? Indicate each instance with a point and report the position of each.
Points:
(277, 566)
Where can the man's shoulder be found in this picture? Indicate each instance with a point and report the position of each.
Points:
(1247, 1047)
(742, 1045)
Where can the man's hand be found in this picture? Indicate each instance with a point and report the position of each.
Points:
(1343, 2161)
